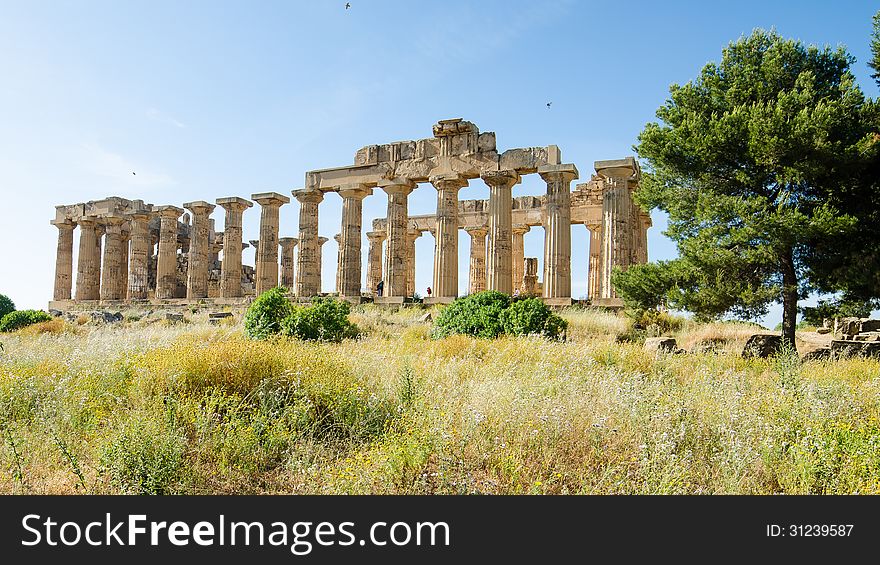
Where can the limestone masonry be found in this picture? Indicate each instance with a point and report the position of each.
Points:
(131, 251)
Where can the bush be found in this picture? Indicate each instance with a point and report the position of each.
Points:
(325, 319)
(22, 318)
(478, 315)
(263, 317)
(532, 316)
(6, 306)
(144, 458)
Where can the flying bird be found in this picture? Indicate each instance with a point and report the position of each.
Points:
(548, 104)
(347, 5)
(133, 173)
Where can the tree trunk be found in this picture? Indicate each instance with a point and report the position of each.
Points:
(789, 299)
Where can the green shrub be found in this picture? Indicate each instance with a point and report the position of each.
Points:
(325, 319)
(22, 318)
(263, 317)
(6, 306)
(532, 316)
(478, 315)
(144, 458)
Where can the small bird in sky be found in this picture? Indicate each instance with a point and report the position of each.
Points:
(133, 173)
(347, 5)
(548, 104)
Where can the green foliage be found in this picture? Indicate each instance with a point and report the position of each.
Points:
(325, 319)
(263, 317)
(144, 458)
(6, 305)
(22, 318)
(478, 315)
(874, 63)
(532, 316)
(747, 162)
(844, 307)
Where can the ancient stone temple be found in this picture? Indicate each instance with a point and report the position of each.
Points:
(132, 251)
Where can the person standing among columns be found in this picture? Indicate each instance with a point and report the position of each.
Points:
(350, 239)
(374, 259)
(518, 254)
(398, 191)
(446, 242)
(500, 263)
(557, 231)
(308, 261)
(166, 269)
(230, 268)
(63, 260)
(267, 253)
(140, 253)
(288, 245)
(477, 279)
(198, 265)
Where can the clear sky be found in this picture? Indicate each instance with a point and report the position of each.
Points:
(210, 99)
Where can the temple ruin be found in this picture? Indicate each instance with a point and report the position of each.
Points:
(131, 251)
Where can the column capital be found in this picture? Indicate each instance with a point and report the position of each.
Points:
(64, 224)
(414, 233)
(169, 212)
(337, 238)
(358, 191)
(113, 224)
(199, 207)
(308, 195)
(448, 181)
(504, 178)
(520, 228)
(270, 199)
(234, 203)
(567, 172)
(397, 186)
(285, 242)
(376, 235)
(477, 231)
(254, 242)
(626, 168)
(322, 240)
(139, 215)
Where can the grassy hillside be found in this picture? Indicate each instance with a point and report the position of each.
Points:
(147, 407)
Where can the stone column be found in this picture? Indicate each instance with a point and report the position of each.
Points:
(139, 260)
(288, 244)
(308, 261)
(477, 280)
(166, 269)
(230, 268)
(374, 258)
(518, 254)
(87, 270)
(267, 253)
(557, 231)
(412, 235)
(112, 268)
(529, 286)
(321, 241)
(198, 264)
(350, 239)
(645, 223)
(446, 242)
(398, 191)
(124, 258)
(499, 260)
(617, 227)
(594, 266)
(100, 230)
(338, 239)
(63, 260)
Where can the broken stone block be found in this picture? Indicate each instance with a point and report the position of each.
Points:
(852, 348)
(762, 345)
(173, 317)
(817, 354)
(426, 317)
(823, 330)
(661, 344)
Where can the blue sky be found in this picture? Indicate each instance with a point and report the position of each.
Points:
(212, 99)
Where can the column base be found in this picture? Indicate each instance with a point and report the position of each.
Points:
(352, 299)
(616, 303)
(559, 301)
(388, 300)
(438, 300)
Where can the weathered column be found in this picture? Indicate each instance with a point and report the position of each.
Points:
(267, 253)
(63, 260)
(518, 254)
(139, 260)
(446, 242)
(288, 244)
(110, 273)
(338, 239)
(230, 268)
(321, 241)
(477, 279)
(412, 235)
(124, 258)
(617, 226)
(644, 224)
(100, 230)
(166, 269)
(398, 191)
(198, 265)
(374, 258)
(557, 231)
(255, 243)
(350, 239)
(308, 261)
(499, 260)
(595, 264)
(529, 286)
(86, 270)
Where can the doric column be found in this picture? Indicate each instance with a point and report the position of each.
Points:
(267, 253)
(529, 286)
(166, 269)
(594, 266)
(350, 239)
(557, 230)
(374, 258)
(100, 230)
(308, 262)
(412, 235)
(124, 258)
(86, 270)
(518, 254)
(644, 224)
(338, 239)
(139, 260)
(477, 278)
(617, 213)
(230, 268)
(110, 273)
(198, 265)
(63, 260)
(398, 191)
(499, 259)
(320, 241)
(446, 242)
(288, 244)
